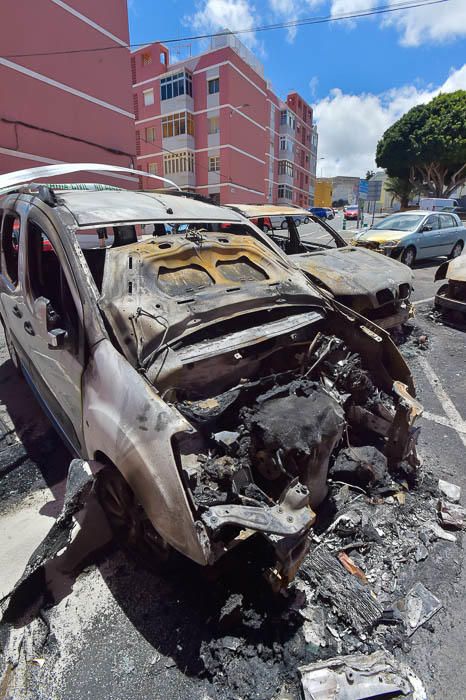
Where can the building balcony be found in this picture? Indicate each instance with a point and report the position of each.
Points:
(287, 130)
(187, 179)
(285, 179)
(183, 142)
(182, 103)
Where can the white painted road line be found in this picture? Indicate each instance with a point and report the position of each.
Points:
(423, 301)
(441, 420)
(456, 421)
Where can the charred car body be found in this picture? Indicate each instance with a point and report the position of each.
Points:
(378, 288)
(213, 381)
(452, 295)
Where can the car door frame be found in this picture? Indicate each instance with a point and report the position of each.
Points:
(65, 360)
(426, 241)
(11, 294)
(448, 234)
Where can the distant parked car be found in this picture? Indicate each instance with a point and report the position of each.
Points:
(280, 221)
(321, 212)
(351, 212)
(415, 235)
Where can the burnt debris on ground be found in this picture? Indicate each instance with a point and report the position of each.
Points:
(358, 591)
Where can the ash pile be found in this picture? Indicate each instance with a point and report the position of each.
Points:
(362, 591)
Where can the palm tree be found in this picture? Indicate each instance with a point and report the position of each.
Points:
(401, 189)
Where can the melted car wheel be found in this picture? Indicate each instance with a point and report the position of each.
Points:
(131, 526)
(408, 256)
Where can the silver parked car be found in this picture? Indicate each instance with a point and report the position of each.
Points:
(415, 235)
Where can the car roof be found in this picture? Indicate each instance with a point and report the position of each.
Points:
(97, 205)
(414, 211)
(125, 206)
(254, 211)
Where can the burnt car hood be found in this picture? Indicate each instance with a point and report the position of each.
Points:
(354, 271)
(162, 291)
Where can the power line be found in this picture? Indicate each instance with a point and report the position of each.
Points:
(368, 12)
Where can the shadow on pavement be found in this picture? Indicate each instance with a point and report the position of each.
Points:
(31, 444)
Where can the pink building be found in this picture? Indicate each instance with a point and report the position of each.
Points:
(213, 125)
(66, 107)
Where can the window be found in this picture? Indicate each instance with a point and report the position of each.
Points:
(213, 86)
(148, 96)
(285, 192)
(10, 247)
(433, 222)
(146, 58)
(447, 221)
(182, 162)
(287, 118)
(176, 85)
(150, 134)
(152, 168)
(214, 125)
(214, 164)
(177, 124)
(47, 279)
(285, 167)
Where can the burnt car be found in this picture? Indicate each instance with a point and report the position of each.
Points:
(378, 288)
(205, 380)
(452, 295)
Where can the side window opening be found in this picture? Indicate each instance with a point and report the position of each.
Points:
(10, 247)
(47, 279)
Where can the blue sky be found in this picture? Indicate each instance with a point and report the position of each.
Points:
(360, 75)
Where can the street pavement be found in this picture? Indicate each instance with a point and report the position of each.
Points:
(119, 631)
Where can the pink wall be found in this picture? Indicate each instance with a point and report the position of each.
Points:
(84, 130)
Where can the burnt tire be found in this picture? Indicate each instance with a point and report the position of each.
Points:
(408, 256)
(456, 250)
(284, 225)
(306, 220)
(265, 228)
(131, 527)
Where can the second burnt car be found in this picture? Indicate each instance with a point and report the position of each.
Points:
(204, 379)
(451, 296)
(376, 287)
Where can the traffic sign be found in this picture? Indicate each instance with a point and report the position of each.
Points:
(363, 189)
(374, 190)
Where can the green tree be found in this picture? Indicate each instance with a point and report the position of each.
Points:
(427, 146)
(402, 189)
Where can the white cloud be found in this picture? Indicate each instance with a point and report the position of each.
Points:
(350, 125)
(313, 84)
(418, 25)
(430, 24)
(215, 15)
(343, 7)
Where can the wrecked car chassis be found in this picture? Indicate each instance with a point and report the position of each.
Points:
(452, 295)
(216, 379)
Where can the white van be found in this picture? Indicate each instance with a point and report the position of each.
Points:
(437, 203)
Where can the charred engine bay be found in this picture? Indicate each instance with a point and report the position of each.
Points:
(260, 456)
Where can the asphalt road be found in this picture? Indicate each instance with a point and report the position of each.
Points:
(119, 631)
